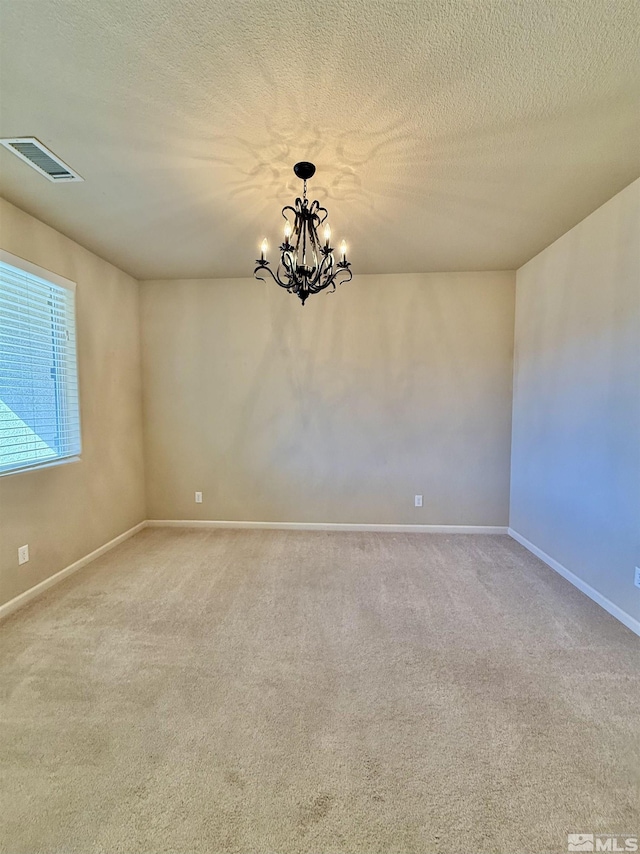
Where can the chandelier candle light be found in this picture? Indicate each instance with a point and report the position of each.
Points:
(306, 266)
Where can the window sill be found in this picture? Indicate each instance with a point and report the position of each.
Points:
(39, 467)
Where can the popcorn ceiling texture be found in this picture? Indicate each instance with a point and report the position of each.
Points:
(448, 135)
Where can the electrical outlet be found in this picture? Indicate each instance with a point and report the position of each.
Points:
(198, 498)
(636, 577)
(418, 501)
(23, 555)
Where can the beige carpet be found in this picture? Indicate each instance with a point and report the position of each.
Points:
(266, 691)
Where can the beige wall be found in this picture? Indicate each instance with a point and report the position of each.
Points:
(67, 511)
(575, 487)
(342, 410)
(338, 411)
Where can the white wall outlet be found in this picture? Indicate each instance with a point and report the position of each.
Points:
(23, 555)
(198, 498)
(636, 577)
(418, 501)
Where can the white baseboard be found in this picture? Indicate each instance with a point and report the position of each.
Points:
(615, 611)
(328, 526)
(33, 592)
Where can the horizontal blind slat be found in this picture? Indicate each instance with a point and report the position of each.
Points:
(34, 442)
(47, 335)
(12, 275)
(13, 358)
(9, 434)
(40, 446)
(13, 313)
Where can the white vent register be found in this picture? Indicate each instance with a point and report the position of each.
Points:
(32, 151)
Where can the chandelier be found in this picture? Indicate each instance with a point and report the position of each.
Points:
(306, 265)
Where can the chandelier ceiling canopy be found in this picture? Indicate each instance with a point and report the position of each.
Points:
(306, 264)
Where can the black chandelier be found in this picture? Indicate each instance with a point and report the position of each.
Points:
(306, 266)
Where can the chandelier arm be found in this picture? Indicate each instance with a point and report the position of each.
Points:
(275, 276)
(323, 267)
(287, 261)
(306, 234)
(334, 280)
(316, 212)
(316, 251)
(296, 211)
(286, 219)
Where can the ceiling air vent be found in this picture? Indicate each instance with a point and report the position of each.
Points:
(33, 152)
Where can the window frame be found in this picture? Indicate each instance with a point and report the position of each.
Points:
(55, 279)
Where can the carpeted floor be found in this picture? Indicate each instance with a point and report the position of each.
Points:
(270, 691)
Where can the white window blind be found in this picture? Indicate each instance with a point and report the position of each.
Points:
(39, 412)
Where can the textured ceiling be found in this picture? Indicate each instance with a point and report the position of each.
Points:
(448, 134)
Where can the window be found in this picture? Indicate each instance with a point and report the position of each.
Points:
(39, 414)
